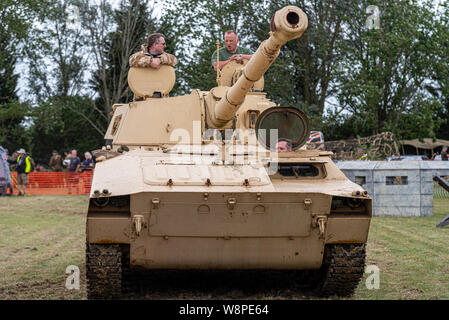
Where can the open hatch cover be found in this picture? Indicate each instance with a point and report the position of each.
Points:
(290, 123)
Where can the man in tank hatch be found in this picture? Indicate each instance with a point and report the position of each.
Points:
(152, 54)
(284, 145)
(231, 51)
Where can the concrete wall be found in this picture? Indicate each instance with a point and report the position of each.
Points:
(398, 188)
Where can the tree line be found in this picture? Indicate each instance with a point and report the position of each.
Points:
(63, 64)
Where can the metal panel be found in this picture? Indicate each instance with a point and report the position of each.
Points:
(108, 229)
(189, 174)
(230, 214)
(155, 121)
(220, 253)
(343, 229)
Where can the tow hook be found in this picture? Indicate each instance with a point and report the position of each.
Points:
(138, 222)
(231, 203)
(321, 224)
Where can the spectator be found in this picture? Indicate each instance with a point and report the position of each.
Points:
(55, 161)
(444, 154)
(87, 166)
(73, 166)
(74, 162)
(362, 156)
(88, 163)
(12, 159)
(67, 156)
(23, 168)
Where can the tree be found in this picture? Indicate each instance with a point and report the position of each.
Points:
(311, 63)
(439, 86)
(14, 27)
(13, 133)
(57, 55)
(386, 69)
(62, 128)
(8, 78)
(112, 48)
(192, 28)
(58, 60)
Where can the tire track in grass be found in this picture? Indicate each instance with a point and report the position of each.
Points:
(421, 240)
(50, 244)
(58, 237)
(55, 246)
(420, 260)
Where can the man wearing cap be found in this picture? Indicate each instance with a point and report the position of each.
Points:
(56, 165)
(23, 168)
(55, 161)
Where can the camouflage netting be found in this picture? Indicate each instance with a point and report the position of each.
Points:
(377, 147)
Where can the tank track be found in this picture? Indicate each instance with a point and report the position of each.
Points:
(108, 272)
(103, 271)
(132, 280)
(343, 267)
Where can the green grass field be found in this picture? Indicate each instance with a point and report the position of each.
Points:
(41, 235)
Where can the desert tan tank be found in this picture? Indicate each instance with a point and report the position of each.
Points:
(195, 182)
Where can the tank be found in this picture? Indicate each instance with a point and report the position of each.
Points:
(195, 182)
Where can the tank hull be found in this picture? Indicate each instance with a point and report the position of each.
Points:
(277, 224)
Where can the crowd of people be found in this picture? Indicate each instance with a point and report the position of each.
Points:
(443, 156)
(23, 164)
(71, 161)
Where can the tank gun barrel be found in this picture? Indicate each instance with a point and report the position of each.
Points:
(287, 24)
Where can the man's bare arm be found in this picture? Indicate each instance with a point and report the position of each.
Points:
(236, 57)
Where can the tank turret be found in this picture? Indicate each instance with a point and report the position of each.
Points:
(287, 24)
(237, 103)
